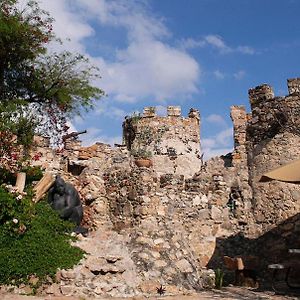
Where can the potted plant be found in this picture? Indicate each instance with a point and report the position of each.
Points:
(142, 157)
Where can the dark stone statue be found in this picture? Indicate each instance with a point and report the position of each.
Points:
(64, 198)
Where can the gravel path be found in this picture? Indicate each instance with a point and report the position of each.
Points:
(229, 293)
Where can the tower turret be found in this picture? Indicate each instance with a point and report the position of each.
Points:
(173, 140)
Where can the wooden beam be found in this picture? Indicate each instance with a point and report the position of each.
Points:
(43, 186)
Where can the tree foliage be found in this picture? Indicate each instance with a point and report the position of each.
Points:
(38, 90)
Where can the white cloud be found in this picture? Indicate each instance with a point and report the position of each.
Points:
(218, 74)
(77, 120)
(218, 145)
(130, 14)
(151, 68)
(118, 113)
(146, 67)
(239, 75)
(68, 25)
(208, 143)
(111, 111)
(216, 42)
(225, 137)
(190, 43)
(111, 140)
(245, 50)
(94, 135)
(216, 152)
(215, 119)
(72, 127)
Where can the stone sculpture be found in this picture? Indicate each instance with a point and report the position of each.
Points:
(64, 198)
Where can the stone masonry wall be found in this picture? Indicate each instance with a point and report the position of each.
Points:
(174, 141)
(165, 224)
(147, 228)
(272, 140)
(166, 230)
(44, 156)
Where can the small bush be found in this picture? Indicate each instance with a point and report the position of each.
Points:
(141, 153)
(32, 174)
(39, 249)
(6, 176)
(16, 211)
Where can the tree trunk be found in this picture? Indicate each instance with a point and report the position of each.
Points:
(20, 183)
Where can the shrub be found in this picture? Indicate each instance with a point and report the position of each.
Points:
(16, 212)
(6, 176)
(32, 174)
(41, 248)
(141, 153)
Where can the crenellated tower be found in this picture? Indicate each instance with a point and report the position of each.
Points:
(272, 140)
(173, 140)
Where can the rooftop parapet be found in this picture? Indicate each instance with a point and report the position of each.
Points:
(259, 94)
(174, 111)
(149, 112)
(293, 85)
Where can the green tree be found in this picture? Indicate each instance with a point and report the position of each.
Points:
(37, 90)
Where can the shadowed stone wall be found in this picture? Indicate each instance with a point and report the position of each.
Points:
(273, 140)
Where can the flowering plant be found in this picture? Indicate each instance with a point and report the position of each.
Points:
(16, 209)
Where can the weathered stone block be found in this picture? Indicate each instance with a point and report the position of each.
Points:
(259, 94)
(293, 85)
(174, 111)
(149, 112)
(66, 290)
(184, 266)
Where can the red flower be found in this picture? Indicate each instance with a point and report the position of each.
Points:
(14, 156)
(37, 156)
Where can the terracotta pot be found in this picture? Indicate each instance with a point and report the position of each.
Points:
(143, 162)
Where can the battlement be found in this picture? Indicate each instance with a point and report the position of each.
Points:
(260, 94)
(149, 112)
(172, 111)
(273, 115)
(293, 85)
(264, 92)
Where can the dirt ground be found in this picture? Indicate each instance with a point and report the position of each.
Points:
(228, 293)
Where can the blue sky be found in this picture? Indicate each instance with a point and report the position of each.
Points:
(204, 54)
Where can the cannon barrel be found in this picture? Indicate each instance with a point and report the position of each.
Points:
(74, 134)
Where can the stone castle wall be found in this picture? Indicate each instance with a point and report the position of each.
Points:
(272, 139)
(161, 228)
(166, 224)
(174, 141)
(163, 225)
